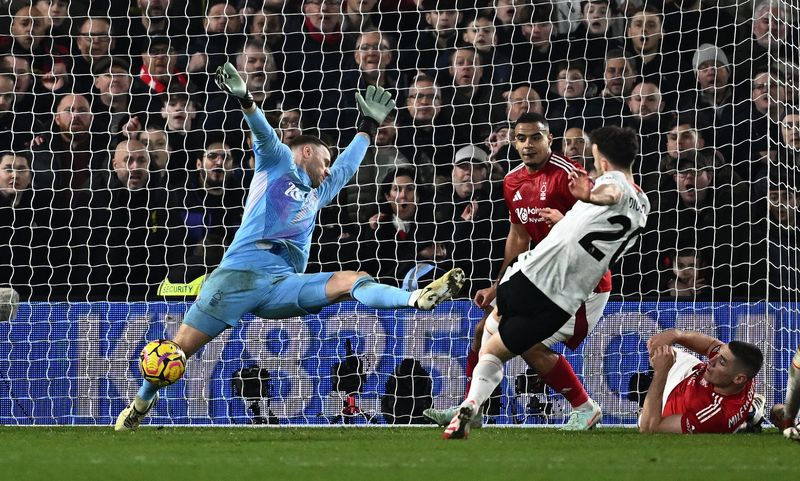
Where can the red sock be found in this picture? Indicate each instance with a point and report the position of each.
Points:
(472, 361)
(563, 379)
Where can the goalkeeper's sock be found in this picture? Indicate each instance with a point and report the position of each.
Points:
(792, 403)
(147, 392)
(487, 375)
(379, 296)
(563, 380)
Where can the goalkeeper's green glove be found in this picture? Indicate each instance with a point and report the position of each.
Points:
(375, 105)
(228, 79)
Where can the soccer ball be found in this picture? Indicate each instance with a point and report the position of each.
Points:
(162, 362)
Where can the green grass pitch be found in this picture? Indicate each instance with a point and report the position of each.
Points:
(382, 454)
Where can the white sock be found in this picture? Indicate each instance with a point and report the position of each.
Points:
(792, 402)
(487, 375)
(140, 404)
(588, 406)
(412, 301)
(489, 327)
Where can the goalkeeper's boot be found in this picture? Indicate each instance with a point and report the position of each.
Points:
(130, 417)
(460, 424)
(442, 417)
(583, 419)
(439, 290)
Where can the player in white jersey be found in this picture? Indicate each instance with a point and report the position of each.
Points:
(547, 285)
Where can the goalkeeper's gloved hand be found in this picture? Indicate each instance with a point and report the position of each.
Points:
(375, 105)
(227, 78)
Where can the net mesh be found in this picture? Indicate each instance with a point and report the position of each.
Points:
(124, 165)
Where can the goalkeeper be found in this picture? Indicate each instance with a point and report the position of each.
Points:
(262, 270)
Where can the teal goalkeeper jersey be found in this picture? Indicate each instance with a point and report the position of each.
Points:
(282, 206)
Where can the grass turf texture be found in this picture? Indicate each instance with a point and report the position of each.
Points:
(87, 453)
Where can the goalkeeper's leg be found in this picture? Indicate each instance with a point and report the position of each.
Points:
(196, 331)
(363, 288)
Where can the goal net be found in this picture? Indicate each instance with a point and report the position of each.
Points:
(125, 171)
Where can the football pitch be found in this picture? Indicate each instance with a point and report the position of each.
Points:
(383, 454)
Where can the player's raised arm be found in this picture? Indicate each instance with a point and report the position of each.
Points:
(582, 188)
(375, 105)
(266, 144)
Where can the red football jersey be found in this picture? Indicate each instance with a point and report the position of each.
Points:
(704, 411)
(525, 193)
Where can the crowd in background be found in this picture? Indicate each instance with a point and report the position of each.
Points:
(122, 163)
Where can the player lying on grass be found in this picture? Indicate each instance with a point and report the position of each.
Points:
(537, 196)
(690, 396)
(262, 270)
(547, 285)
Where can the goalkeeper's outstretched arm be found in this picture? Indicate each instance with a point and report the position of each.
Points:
(266, 144)
(375, 105)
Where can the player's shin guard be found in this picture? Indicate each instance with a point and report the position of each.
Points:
(486, 376)
(792, 403)
(563, 380)
(379, 296)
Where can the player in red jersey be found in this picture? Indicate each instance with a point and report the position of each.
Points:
(690, 396)
(537, 196)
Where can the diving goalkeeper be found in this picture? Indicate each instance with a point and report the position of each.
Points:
(262, 270)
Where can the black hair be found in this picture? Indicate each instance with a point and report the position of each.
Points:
(388, 179)
(619, 145)
(18, 153)
(748, 356)
(532, 118)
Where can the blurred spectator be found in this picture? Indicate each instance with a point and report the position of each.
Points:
(776, 257)
(766, 44)
(690, 276)
(162, 18)
(654, 60)
(212, 202)
(24, 229)
(425, 131)
(73, 158)
(266, 27)
(290, 125)
(403, 232)
(419, 48)
(116, 103)
(57, 13)
(134, 236)
(24, 79)
(501, 156)
(469, 93)
(522, 99)
(577, 146)
(472, 216)
(314, 56)
(683, 138)
(373, 55)
(646, 107)
(223, 39)
(566, 103)
(180, 117)
(701, 216)
(712, 100)
(481, 34)
(18, 126)
(755, 127)
(505, 13)
(29, 28)
(159, 72)
(360, 195)
(690, 23)
(156, 140)
(610, 107)
(359, 15)
(96, 44)
(593, 37)
(536, 47)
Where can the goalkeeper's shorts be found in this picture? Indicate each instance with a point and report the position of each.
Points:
(229, 294)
